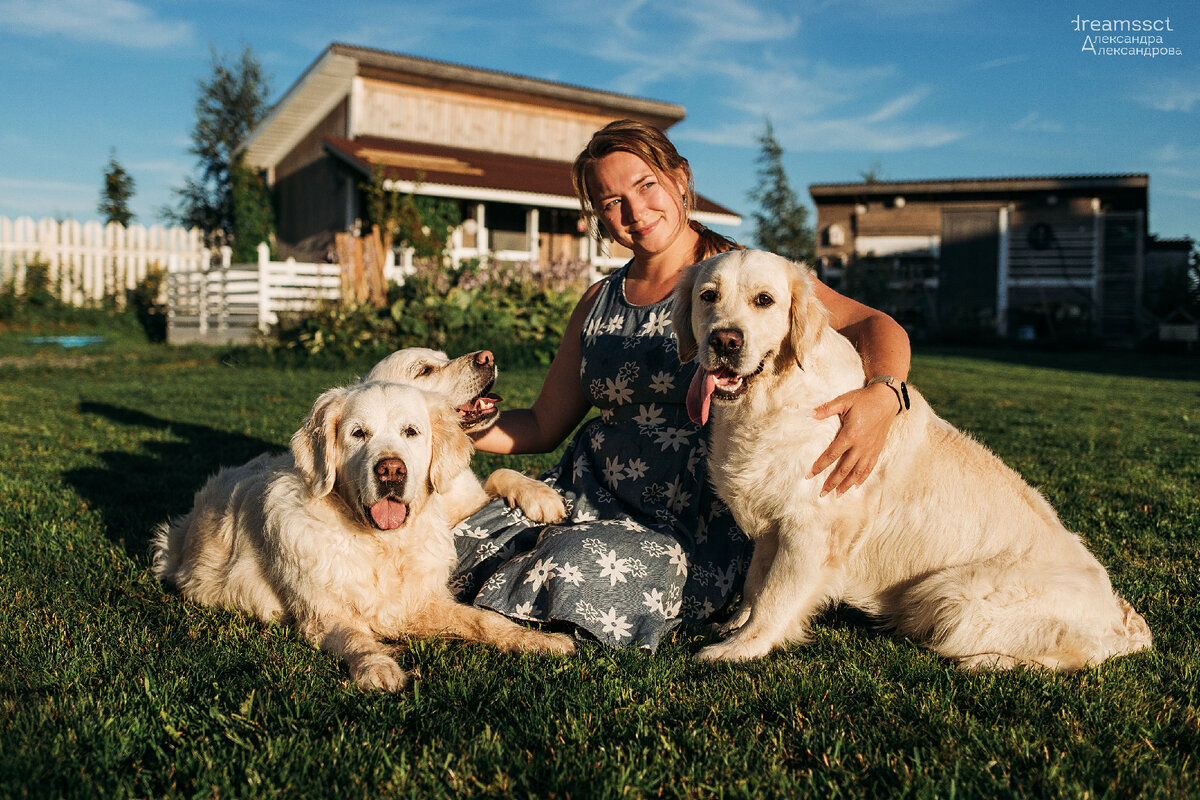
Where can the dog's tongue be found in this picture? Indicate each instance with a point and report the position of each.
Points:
(480, 405)
(389, 514)
(699, 395)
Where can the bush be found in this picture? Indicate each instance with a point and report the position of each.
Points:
(144, 302)
(510, 310)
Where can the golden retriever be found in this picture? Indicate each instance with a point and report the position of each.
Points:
(943, 541)
(467, 383)
(345, 536)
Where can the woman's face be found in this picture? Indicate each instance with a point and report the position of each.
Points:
(639, 209)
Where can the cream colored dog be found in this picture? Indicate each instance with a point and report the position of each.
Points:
(943, 541)
(346, 536)
(467, 383)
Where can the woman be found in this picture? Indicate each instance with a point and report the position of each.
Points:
(647, 545)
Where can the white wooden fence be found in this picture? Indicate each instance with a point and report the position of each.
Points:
(234, 303)
(209, 299)
(88, 263)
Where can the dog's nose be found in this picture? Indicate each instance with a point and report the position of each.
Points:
(391, 470)
(484, 358)
(726, 342)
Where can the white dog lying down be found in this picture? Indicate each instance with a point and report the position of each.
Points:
(943, 541)
(345, 537)
(467, 382)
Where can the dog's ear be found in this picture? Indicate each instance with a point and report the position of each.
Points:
(315, 446)
(807, 317)
(450, 447)
(681, 317)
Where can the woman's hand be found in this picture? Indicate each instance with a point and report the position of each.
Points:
(867, 416)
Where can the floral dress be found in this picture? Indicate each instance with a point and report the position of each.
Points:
(646, 544)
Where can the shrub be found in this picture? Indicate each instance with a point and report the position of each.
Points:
(144, 302)
(518, 314)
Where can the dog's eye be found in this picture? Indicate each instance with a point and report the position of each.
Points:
(411, 431)
(359, 433)
(425, 370)
(709, 296)
(764, 300)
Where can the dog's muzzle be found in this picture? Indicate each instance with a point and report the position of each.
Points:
(389, 512)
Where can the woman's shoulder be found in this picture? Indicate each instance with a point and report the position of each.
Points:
(609, 283)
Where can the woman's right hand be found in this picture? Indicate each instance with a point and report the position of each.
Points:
(560, 405)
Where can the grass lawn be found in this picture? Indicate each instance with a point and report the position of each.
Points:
(112, 686)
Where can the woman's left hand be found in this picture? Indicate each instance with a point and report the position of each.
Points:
(867, 415)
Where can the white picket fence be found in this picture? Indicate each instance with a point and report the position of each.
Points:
(88, 263)
(209, 298)
(235, 303)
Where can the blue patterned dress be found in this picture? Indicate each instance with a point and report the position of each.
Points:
(647, 545)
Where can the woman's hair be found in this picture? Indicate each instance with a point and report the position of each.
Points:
(656, 151)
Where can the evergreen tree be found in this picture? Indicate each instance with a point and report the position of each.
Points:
(231, 102)
(253, 217)
(116, 193)
(781, 222)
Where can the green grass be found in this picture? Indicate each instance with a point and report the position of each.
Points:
(112, 686)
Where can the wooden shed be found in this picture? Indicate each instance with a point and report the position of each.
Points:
(501, 145)
(1024, 257)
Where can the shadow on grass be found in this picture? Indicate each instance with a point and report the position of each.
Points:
(1126, 363)
(134, 491)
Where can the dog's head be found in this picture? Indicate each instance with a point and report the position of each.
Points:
(466, 381)
(383, 448)
(745, 316)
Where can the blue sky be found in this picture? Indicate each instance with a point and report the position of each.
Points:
(913, 90)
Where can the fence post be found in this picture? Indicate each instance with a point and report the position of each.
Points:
(264, 286)
(223, 303)
(202, 310)
(170, 286)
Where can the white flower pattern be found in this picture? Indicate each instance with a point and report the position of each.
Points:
(638, 550)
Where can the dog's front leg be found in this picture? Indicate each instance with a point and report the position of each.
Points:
(793, 588)
(535, 499)
(369, 660)
(448, 618)
(763, 556)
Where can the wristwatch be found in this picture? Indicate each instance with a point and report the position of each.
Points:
(899, 387)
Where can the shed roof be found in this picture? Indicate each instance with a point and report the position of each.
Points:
(479, 175)
(979, 185)
(329, 78)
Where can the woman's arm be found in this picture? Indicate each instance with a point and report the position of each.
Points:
(560, 405)
(866, 414)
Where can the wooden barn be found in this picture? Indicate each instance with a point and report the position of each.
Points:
(1026, 258)
(500, 145)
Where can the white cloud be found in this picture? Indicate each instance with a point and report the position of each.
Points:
(699, 41)
(1002, 62)
(119, 22)
(1033, 122)
(750, 60)
(21, 197)
(1171, 95)
(871, 132)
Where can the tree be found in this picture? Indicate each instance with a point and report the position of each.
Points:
(873, 173)
(781, 222)
(253, 217)
(231, 102)
(117, 190)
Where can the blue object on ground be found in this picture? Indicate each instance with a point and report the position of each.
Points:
(66, 341)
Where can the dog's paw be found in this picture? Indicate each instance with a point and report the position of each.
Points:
(733, 649)
(984, 662)
(559, 643)
(379, 672)
(539, 502)
(534, 641)
(738, 620)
